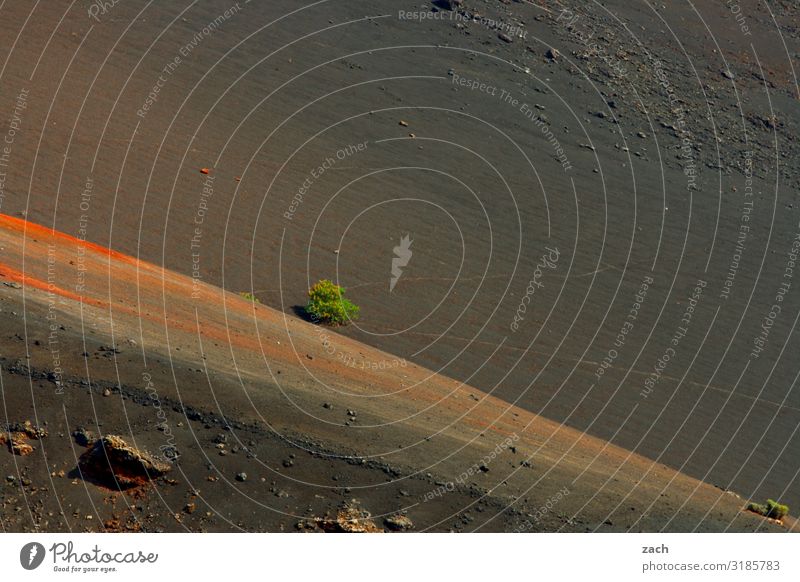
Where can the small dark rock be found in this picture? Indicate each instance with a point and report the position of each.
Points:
(450, 4)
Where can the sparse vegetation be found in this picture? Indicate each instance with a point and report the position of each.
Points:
(327, 304)
(771, 509)
(250, 297)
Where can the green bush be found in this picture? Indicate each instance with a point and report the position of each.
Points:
(249, 296)
(771, 509)
(326, 304)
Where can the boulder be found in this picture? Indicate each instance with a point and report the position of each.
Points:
(114, 463)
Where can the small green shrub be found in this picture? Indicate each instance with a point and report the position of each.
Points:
(771, 509)
(250, 297)
(775, 510)
(327, 304)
